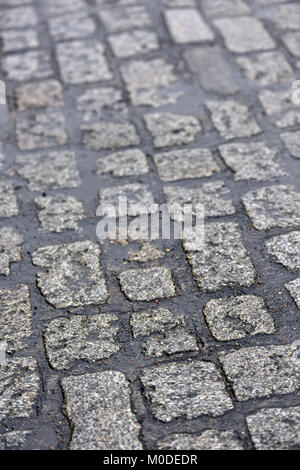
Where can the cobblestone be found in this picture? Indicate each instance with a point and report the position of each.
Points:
(8, 200)
(280, 108)
(77, 25)
(39, 95)
(60, 212)
(292, 42)
(131, 162)
(266, 68)
(212, 439)
(187, 25)
(109, 135)
(148, 252)
(56, 7)
(286, 17)
(10, 248)
(147, 284)
(292, 142)
(286, 250)
(139, 199)
(15, 40)
(14, 440)
(125, 18)
(29, 65)
(93, 103)
(217, 8)
(20, 17)
(133, 42)
(294, 289)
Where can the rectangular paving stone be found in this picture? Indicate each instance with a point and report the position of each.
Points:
(237, 317)
(232, 119)
(217, 8)
(139, 200)
(19, 386)
(187, 25)
(286, 17)
(178, 3)
(224, 262)
(41, 130)
(15, 40)
(125, 18)
(71, 26)
(15, 317)
(238, 34)
(147, 284)
(252, 161)
(211, 439)
(99, 409)
(109, 135)
(10, 248)
(82, 62)
(72, 275)
(294, 289)
(49, 170)
(275, 428)
(8, 200)
(21, 17)
(133, 42)
(292, 42)
(190, 390)
(292, 142)
(29, 65)
(59, 213)
(280, 107)
(132, 162)
(81, 337)
(170, 129)
(273, 206)
(57, 7)
(176, 165)
(286, 250)
(93, 103)
(39, 95)
(257, 372)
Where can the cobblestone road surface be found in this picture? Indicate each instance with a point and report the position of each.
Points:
(135, 344)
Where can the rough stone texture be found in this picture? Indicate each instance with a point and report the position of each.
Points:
(292, 142)
(261, 371)
(15, 317)
(238, 317)
(178, 3)
(252, 161)
(10, 248)
(170, 129)
(131, 162)
(88, 338)
(148, 252)
(82, 62)
(292, 42)
(275, 428)
(22, 17)
(238, 34)
(133, 42)
(98, 406)
(41, 130)
(273, 206)
(150, 83)
(109, 135)
(294, 289)
(225, 260)
(95, 101)
(280, 108)
(147, 284)
(19, 386)
(217, 8)
(187, 25)
(267, 68)
(14, 440)
(77, 25)
(73, 276)
(232, 119)
(284, 16)
(15, 40)
(185, 390)
(125, 18)
(29, 65)
(57, 7)
(59, 213)
(286, 250)
(39, 95)
(49, 170)
(8, 200)
(139, 199)
(212, 439)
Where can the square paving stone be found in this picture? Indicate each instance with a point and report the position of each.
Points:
(187, 25)
(90, 338)
(139, 199)
(131, 162)
(238, 34)
(125, 18)
(99, 409)
(133, 42)
(71, 26)
(252, 161)
(8, 200)
(294, 289)
(150, 83)
(39, 95)
(57, 7)
(238, 317)
(148, 252)
(15, 318)
(41, 130)
(147, 284)
(217, 8)
(95, 101)
(109, 135)
(29, 65)
(292, 42)
(49, 170)
(292, 142)
(273, 206)
(266, 68)
(21, 17)
(73, 276)
(10, 248)
(211, 439)
(59, 213)
(14, 40)
(261, 371)
(232, 119)
(184, 164)
(224, 261)
(275, 428)
(169, 129)
(280, 107)
(286, 17)
(185, 390)
(82, 62)
(286, 250)
(19, 386)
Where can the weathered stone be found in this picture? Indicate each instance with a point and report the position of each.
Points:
(178, 3)
(292, 42)
(73, 275)
(294, 289)
(109, 135)
(123, 18)
(280, 107)
(284, 16)
(59, 213)
(176, 340)
(266, 68)
(147, 284)
(14, 440)
(95, 101)
(15, 40)
(261, 371)
(8, 200)
(99, 408)
(286, 250)
(133, 42)
(57, 7)
(39, 95)
(187, 25)
(88, 338)
(217, 8)
(273, 206)
(170, 129)
(21, 17)
(10, 248)
(148, 252)
(185, 390)
(131, 162)
(292, 142)
(29, 65)
(139, 199)
(71, 26)
(212, 439)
